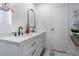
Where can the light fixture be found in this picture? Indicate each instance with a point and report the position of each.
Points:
(7, 6)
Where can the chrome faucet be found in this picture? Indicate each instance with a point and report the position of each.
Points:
(19, 31)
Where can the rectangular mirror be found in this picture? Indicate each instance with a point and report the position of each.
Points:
(31, 19)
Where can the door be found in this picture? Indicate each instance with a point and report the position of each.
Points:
(59, 28)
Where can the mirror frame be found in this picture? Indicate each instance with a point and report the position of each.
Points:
(28, 18)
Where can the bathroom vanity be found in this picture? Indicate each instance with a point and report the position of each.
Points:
(31, 44)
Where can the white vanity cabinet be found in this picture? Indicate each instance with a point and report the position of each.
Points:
(35, 45)
(32, 46)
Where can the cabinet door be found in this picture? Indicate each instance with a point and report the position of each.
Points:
(30, 52)
(29, 47)
(8, 49)
(59, 22)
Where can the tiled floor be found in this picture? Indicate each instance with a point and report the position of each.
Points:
(54, 53)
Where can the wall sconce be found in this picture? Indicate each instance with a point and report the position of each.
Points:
(7, 6)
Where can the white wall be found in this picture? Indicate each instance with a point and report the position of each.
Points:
(43, 19)
(44, 16)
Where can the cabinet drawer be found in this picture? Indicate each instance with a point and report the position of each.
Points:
(31, 52)
(36, 50)
(29, 45)
(39, 50)
(42, 41)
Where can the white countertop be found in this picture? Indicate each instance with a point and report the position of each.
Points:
(19, 39)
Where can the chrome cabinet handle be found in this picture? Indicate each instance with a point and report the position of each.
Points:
(33, 52)
(33, 43)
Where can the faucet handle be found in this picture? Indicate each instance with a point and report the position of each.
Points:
(21, 33)
(15, 34)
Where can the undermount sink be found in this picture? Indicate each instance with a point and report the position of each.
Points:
(26, 35)
(20, 38)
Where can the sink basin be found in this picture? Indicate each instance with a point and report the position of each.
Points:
(26, 35)
(19, 39)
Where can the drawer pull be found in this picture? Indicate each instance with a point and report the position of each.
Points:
(34, 52)
(33, 43)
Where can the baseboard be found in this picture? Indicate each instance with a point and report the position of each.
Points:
(58, 51)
